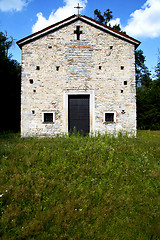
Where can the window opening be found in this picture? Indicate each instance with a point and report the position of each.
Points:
(57, 68)
(48, 117)
(109, 117)
(125, 82)
(37, 67)
(31, 81)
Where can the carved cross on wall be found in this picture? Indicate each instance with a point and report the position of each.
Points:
(78, 32)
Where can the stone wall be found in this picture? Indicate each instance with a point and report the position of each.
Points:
(98, 61)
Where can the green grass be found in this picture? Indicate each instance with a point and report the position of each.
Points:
(80, 187)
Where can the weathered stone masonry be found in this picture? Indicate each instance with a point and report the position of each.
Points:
(56, 64)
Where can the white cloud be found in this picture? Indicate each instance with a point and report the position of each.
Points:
(145, 22)
(61, 13)
(12, 5)
(114, 22)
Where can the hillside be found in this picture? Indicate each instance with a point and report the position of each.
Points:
(80, 187)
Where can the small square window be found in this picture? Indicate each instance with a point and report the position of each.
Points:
(111, 47)
(109, 117)
(37, 67)
(48, 117)
(57, 68)
(33, 112)
(31, 81)
(100, 67)
(125, 82)
(121, 91)
(122, 67)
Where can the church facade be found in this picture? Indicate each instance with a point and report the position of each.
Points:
(78, 73)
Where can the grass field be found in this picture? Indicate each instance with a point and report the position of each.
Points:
(80, 187)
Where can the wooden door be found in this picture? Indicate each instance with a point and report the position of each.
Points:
(78, 113)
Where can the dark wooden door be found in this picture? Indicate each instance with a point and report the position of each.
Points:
(78, 113)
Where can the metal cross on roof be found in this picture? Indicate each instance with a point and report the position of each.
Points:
(78, 7)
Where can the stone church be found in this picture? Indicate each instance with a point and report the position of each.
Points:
(78, 73)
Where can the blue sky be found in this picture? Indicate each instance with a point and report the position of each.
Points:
(139, 18)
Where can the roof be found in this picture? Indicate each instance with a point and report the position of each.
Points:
(72, 19)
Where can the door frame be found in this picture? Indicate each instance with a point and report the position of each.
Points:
(66, 93)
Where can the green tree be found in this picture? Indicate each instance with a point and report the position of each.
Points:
(10, 86)
(148, 101)
(98, 16)
(143, 74)
(105, 19)
(108, 16)
(157, 68)
(148, 107)
(5, 44)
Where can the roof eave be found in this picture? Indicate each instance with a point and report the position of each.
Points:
(46, 30)
(112, 31)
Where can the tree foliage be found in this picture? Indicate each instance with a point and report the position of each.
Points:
(106, 18)
(148, 100)
(143, 75)
(157, 68)
(10, 87)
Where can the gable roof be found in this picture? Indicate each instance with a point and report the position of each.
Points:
(72, 19)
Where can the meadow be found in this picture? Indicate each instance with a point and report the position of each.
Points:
(74, 187)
